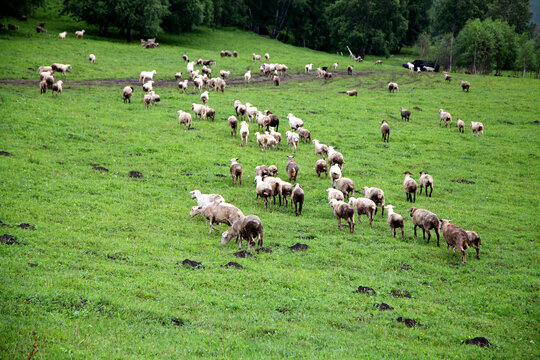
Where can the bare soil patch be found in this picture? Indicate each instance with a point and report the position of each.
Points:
(365, 290)
(193, 264)
(479, 341)
(8, 239)
(384, 307)
(409, 322)
(99, 168)
(234, 265)
(299, 247)
(135, 174)
(401, 293)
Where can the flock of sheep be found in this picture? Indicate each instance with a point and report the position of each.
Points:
(268, 186)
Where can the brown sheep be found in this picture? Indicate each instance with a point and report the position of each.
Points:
(455, 237)
(305, 134)
(344, 211)
(236, 171)
(376, 195)
(475, 242)
(385, 131)
(247, 227)
(218, 213)
(346, 186)
(410, 186)
(405, 114)
(426, 220)
(292, 168)
(321, 167)
(297, 198)
(364, 206)
(395, 221)
(233, 124)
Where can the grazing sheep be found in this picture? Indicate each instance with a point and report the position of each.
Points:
(460, 125)
(276, 80)
(447, 77)
(210, 113)
(148, 100)
(57, 87)
(410, 186)
(477, 127)
(43, 86)
(446, 117)
(127, 92)
(146, 75)
(184, 118)
(335, 157)
(148, 86)
(183, 85)
(350, 69)
(305, 134)
(426, 220)
(218, 213)
(233, 124)
(61, 68)
(335, 194)
(465, 85)
(395, 221)
(244, 133)
(206, 71)
(376, 195)
(292, 169)
(79, 34)
(393, 87)
(363, 206)
(261, 170)
(328, 75)
(426, 181)
(206, 199)
(321, 149)
(13, 27)
(256, 57)
(308, 68)
(185, 57)
(263, 190)
(475, 242)
(335, 66)
(346, 186)
(352, 93)
(297, 198)
(178, 75)
(344, 211)
(247, 227)
(405, 114)
(92, 58)
(292, 140)
(247, 76)
(335, 173)
(274, 120)
(378, 62)
(321, 167)
(385, 131)
(455, 237)
(204, 97)
(236, 171)
(320, 73)
(43, 75)
(224, 74)
(62, 35)
(40, 30)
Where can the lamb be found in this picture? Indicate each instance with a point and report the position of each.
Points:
(263, 190)
(92, 58)
(206, 199)
(321, 167)
(256, 57)
(376, 195)
(321, 149)
(305, 134)
(57, 87)
(251, 111)
(41, 30)
(344, 211)
(352, 93)
(199, 110)
(146, 75)
(335, 173)
(394, 221)
(393, 87)
(292, 168)
(79, 34)
(43, 86)
(267, 56)
(183, 85)
(410, 186)
(185, 57)
(477, 127)
(247, 76)
(334, 194)
(297, 198)
(426, 181)
(190, 66)
(178, 75)
(446, 117)
(62, 35)
(276, 135)
(244, 133)
(465, 85)
(236, 171)
(447, 77)
(247, 227)
(378, 62)
(363, 206)
(218, 213)
(474, 241)
(429, 68)
(460, 125)
(61, 68)
(350, 69)
(294, 122)
(272, 170)
(224, 74)
(335, 157)
(405, 114)
(276, 80)
(148, 86)
(184, 118)
(233, 124)
(204, 97)
(455, 237)
(385, 131)
(292, 139)
(127, 92)
(426, 220)
(335, 66)
(346, 186)
(274, 120)
(308, 68)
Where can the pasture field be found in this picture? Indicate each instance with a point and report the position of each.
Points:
(101, 275)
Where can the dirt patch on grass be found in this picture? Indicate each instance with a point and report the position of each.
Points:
(99, 168)
(8, 239)
(220, 175)
(365, 290)
(27, 226)
(234, 265)
(135, 174)
(536, 122)
(384, 307)
(266, 250)
(401, 293)
(408, 322)
(508, 123)
(243, 254)
(176, 321)
(3, 224)
(463, 181)
(4, 153)
(404, 266)
(417, 108)
(193, 264)
(299, 247)
(479, 341)
(32, 264)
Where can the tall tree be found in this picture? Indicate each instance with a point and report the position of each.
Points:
(20, 7)
(452, 15)
(418, 19)
(526, 57)
(184, 14)
(475, 46)
(505, 44)
(423, 45)
(445, 51)
(515, 12)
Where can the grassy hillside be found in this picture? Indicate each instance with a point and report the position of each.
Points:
(101, 274)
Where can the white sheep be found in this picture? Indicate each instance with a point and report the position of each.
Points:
(183, 85)
(147, 75)
(61, 68)
(190, 66)
(62, 35)
(308, 68)
(460, 125)
(410, 66)
(198, 83)
(395, 221)
(267, 56)
(363, 206)
(477, 127)
(148, 86)
(178, 75)
(247, 76)
(446, 117)
(224, 74)
(184, 118)
(294, 122)
(199, 110)
(206, 199)
(57, 87)
(79, 34)
(263, 190)
(335, 194)
(321, 149)
(127, 92)
(393, 87)
(204, 97)
(293, 139)
(244, 133)
(335, 173)
(335, 66)
(92, 58)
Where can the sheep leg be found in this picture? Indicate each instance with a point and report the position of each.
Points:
(257, 198)
(437, 232)
(270, 206)
(477, 248)
(415, 230)
(212, 227)
(453, 251)
(402, 234)
(448, 248)
(370, 217)
(420, 193)
(339, 223)
(430, 191)
(279, 199)
(428, 236)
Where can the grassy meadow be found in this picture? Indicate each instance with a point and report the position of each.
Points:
(101, 274)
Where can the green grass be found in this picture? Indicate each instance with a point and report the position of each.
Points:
(108, 247)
